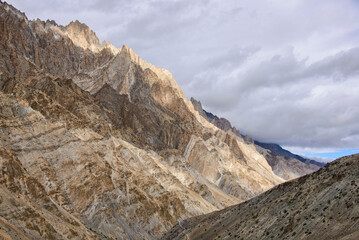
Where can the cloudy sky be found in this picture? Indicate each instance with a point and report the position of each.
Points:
(280, 71)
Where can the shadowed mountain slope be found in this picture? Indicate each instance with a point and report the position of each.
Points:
(321, 205)
(278, 150)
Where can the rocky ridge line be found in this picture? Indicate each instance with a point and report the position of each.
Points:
(283, 163)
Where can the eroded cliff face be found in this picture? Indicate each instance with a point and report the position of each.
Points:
(109, 142)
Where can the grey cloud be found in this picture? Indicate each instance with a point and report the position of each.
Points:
(284, 100)
(281, 72)
(344, 64)
(108, 5)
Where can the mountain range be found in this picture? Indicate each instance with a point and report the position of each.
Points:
(97, 143)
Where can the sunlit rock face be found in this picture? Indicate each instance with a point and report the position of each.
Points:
(97, 143)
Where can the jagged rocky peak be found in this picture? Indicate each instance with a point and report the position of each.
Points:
(128, 74)
(125, 72)
(81, 35)
(198, 107)
(221, 123)
(248, 139)
(163, 74)
(110, 46)
(14, 11)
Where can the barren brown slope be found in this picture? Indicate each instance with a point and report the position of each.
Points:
(321, 205)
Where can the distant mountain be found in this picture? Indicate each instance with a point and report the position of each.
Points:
(278, 150)
(284, 163)
(321, 205)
